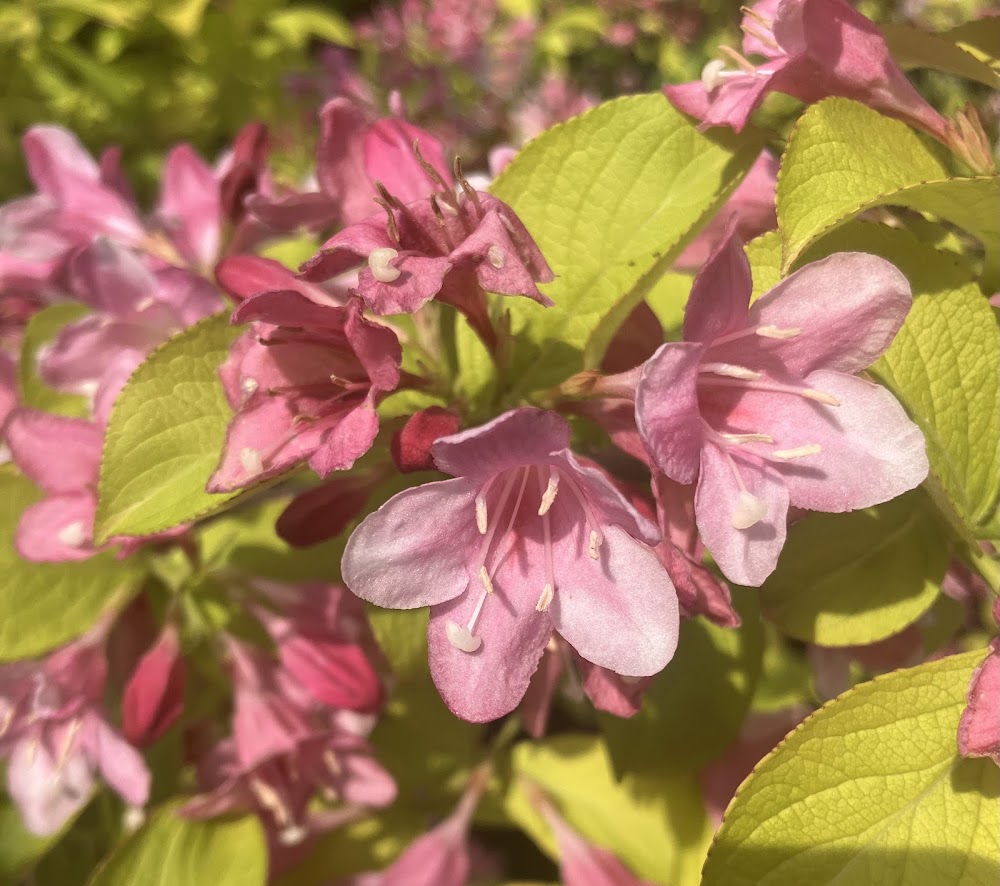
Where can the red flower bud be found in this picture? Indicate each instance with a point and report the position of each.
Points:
(154, 695)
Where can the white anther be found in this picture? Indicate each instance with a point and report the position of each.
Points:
(144, 303)
(595, 543)
(292, 835)
(820, 396)
(748, 511)
(777, 332)
(496, 257)
(484, 577)
(133, 818)
(811, 449)
(747, 438)
(462, 638)
(249, 386)
(378, 261)
(545, 599)
(251, 461)
(482, 522)
(730, 370)
(549, 496)
(711, 74)
(73, 535)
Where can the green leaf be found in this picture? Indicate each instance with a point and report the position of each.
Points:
(41, 329)
(852, 579)
(785, 676)
(300, 24)
(870, 789)
(943, 367)
(981, 37)
(19, 849)
(913, 47)
(46, 604)
(165, 436)
(843, 158)
(170, 850)
(656, 825)
(687, 723)
(610, 197)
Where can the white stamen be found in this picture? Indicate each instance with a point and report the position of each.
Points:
(748, 511)
(711, 74)
(545, 599)
(730, 370)
(74, 729)
(292, 835)
(462, 638)
(144, 303)
(133, 818)
(496, 257)
(482, 516)
(595, 543)
(378, 261)
(811, 449)
(484, 577)
(820, 396)
(332, 763)
(747, 438)
(269, 799)
(549, 496)
(249, 386)
(777, 332)
(251, 461)
(73, 535)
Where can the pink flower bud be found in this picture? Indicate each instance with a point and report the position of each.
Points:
(154, 695)
(411, 446)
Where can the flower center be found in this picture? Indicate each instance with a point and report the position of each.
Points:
(548, 480)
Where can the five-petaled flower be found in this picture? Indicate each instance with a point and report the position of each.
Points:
(760, 405)
(522, 542)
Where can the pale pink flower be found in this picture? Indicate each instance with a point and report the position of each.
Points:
(979, 728)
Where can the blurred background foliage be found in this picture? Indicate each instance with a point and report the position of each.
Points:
(145, 74)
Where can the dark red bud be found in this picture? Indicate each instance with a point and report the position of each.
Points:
(411, 447)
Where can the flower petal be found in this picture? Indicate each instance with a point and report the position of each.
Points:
(59, 454)
(120, 764)
(190, 205)
(746, 556)
(344, 442)
(58, 529)
(979, 728)
(620, 611)
(47, 794)
(666, 409)
(849, 307)
(720, 295)
(414, 550)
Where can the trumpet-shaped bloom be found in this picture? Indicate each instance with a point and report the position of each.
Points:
(812, 49)
(304, 383)
(523, 542)
(760, 406)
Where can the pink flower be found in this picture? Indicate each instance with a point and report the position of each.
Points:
(979, 728)
(57, 738)
(439, 857)
(63, 457)
(812, 49)
(581, 863)
(280, 756)
(244, 276)
(523, 542)
(134, 310)
(447, 247)
(154, 695)
(304, 383)
(759, 405)
(354, 153)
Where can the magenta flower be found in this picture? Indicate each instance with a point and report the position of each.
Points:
(760, 406)
(979, 728)
(57, 738)
(812, 49)
(447, 247)
(304, 383)
(354, 153)
(523, 542)
(135, 309)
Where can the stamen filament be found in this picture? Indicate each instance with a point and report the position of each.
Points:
(737, 439)
(484, 577)
(596, 538)
(801, 451)
(730, 370)
(773, 387)
(767, 332)
(550, 582)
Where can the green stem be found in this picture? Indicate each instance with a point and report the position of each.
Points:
(988, 566)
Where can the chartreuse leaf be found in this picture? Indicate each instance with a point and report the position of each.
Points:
(300, 24)
(41, 329)
(655, 824)
(19, 849)
(913, 47)
(870, 789)
(980, 37)
(687, 723)
(851, 579)
(169, 850)
(45, 604)
(844, 158)
(165, 436)
(611, 197)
